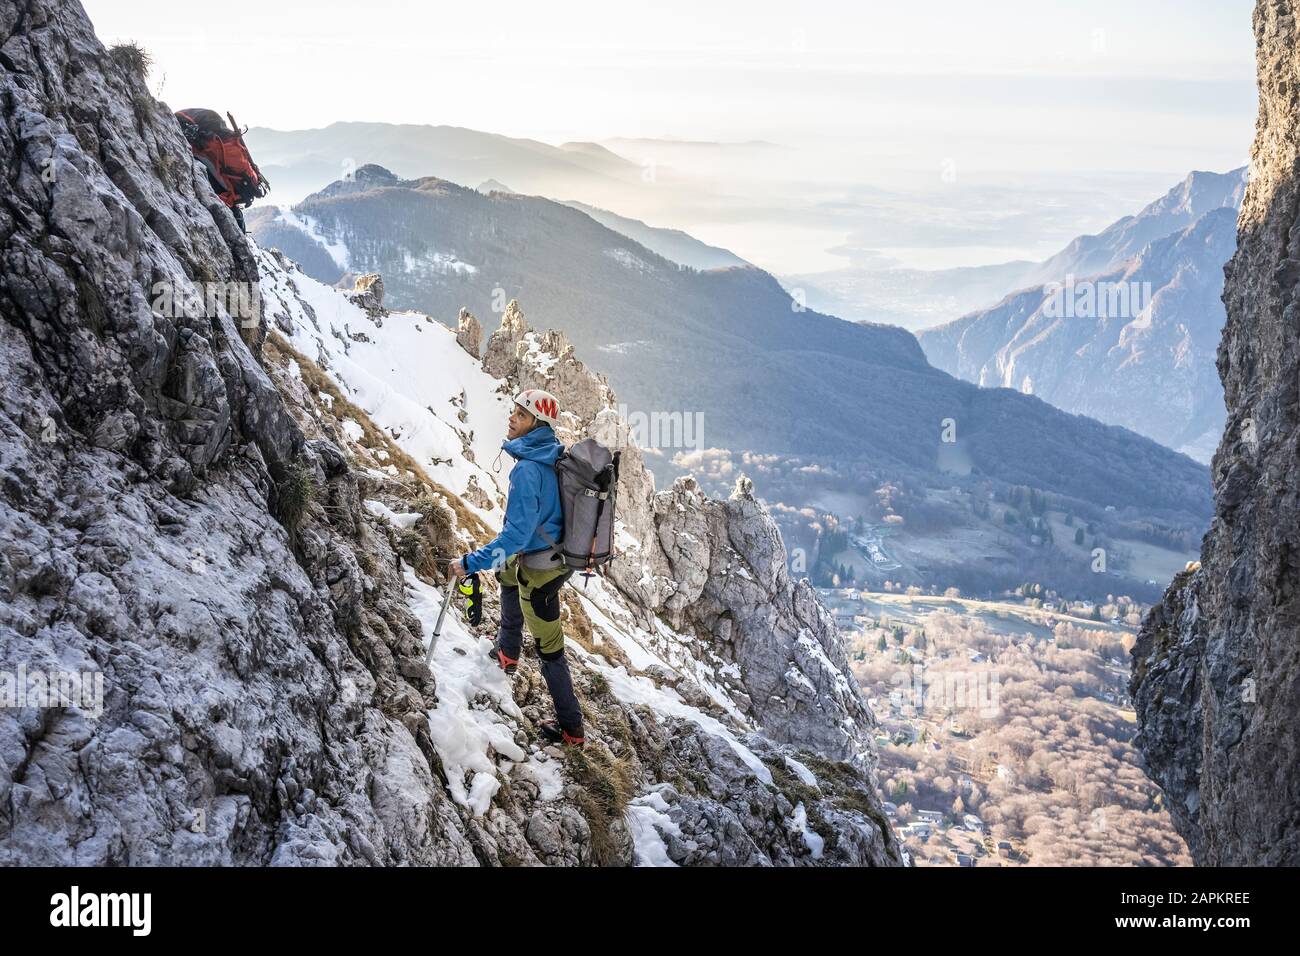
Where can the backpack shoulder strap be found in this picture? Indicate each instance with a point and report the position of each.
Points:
(555, 548)
(548, 539)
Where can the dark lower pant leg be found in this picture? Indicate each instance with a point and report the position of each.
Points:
(555, 670)
(510, 635)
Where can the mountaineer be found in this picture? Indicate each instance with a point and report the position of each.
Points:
(526, 562)
(232, 173)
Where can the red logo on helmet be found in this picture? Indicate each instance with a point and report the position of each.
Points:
(547, 407)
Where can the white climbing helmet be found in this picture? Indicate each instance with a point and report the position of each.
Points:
(541, 403)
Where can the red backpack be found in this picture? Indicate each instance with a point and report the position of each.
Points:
(220, 148)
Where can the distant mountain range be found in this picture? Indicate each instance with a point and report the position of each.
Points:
(672, 244)
(883, 291)
(299, 162)
(1131, 339)
(1200, 193)
(728, 343)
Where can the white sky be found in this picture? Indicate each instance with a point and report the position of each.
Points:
(1118, 98)
(716, 69)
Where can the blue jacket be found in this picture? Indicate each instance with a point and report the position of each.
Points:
(534, 500)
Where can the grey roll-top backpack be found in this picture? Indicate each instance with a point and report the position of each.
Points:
(588, 478)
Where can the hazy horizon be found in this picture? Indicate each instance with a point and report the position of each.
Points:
(984, 141)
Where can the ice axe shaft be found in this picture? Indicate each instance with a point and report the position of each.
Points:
(437, 627)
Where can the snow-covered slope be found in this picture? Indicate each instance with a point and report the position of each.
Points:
(445, 410)
(406, 371)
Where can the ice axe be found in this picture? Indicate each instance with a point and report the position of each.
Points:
(442, 613)
(468, 586)
(437, 627)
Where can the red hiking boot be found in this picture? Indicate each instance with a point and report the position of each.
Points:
(553, 733)
(507, 664)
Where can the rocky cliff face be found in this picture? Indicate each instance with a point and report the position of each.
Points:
(197, 506)
(1216, 669)
(255, 707)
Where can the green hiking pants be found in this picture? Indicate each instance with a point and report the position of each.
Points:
(538, 598)
(533, 596)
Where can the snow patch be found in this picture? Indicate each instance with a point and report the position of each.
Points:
(338, 251)
(667, 703)
(546, 772)
(629, 261)
(470, 722)
(648, 822)
(811, 839)
(542, 361)
(409, 367)
(799, 770)
(400, 519)
(352, 429)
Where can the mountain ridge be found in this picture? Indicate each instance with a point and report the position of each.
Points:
(1187, 201)
(1149, 366)
(778, 377)
(299, 162)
